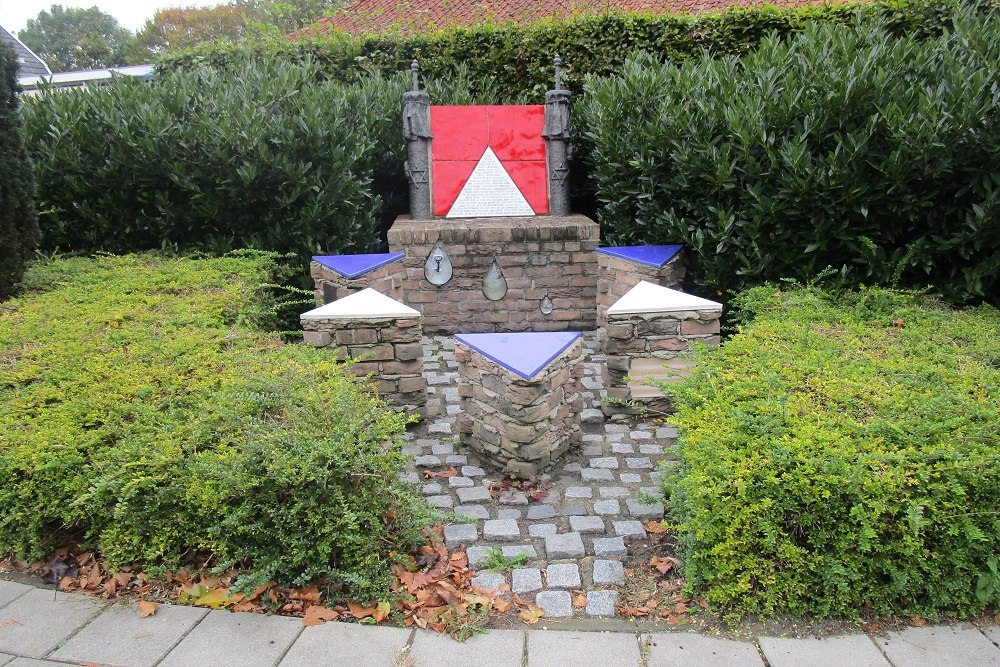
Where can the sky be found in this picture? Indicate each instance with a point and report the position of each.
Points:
(132, 14)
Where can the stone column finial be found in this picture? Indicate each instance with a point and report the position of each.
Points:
(558, 144)
(417, 133)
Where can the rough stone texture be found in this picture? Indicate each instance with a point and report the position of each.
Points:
(475, 494)
(541, 512)
(540, 256)
(330, 285)
(609, 547)
(642, 510)
(120, 637)
(496, 648)
(339, 644)
(502, 530)
(596, 475)
(488, 580)
(607, 507)
(586, 524)
(389, 348)
(582, 649)
(542, 529)
(519, 549)
(617, 275)
(555, 604)
(850, 651)
(225, 639)
(42, 619)
(10, 590)
(608, 572)
(689, 648)
(562, 575)
(460, 533)
(472, 511)
(941, 646)
(526, 580)
(564, 545)
(629, 529)
(522, 426)
(477, 555)
(601, 603)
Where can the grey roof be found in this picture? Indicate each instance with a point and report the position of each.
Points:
(30, 64)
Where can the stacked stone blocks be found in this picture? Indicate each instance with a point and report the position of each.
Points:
(331, 285)
(616, 276)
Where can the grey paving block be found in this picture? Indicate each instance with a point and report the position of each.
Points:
(120, 637)
(641, 435)
(496, 648)
(564, 545)
(346, 645)
(656, 450)
(562, 575)
(622, 448)
(472, 471)
(460, 533)
(628, 528)
(460, 482)
(609, 547)
(541, 512)
(431, 489)
(555, 604)
(572, 467)
(409, 477)
(508, 513)
(596, 475)
(475, 494)
(593, 450)
(515, 550)
(610, 507)
(644, 511)
(476, 555)
(473, 511)
(579, 492)
(630, 478)
(511, 497)
(605, 462)
(687, 648)
(608, 572)
(591, 416)
(504, 530)
(427, 462)
(614, 492)
(11, 590)
(526, 580)
(638, 463)
(457, 460)
(582, 649)
(666, 432)
(442, 449)
(849, 651)
(225, 639)
(443, 501)
(940, 646)
(489, 580)
(587, 524)
(615, 428)
(38, 621)
(601, 603)
(574, 510)
(542, 529)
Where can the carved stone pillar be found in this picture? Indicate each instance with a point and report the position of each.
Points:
(417, 132)
(558, 147)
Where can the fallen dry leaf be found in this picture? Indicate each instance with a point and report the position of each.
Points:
(146, 608)
(531, 615)
(662, 564)
(655, 527)
(898, 323)
(306, 594)
(580, 601)
(917, 621)
(503, 606)
(317, 614)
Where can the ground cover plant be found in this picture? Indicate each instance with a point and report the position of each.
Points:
(146, 412)
(840, 456)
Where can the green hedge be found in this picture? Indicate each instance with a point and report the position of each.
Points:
(841, 456)
(145, 412)
(844, 147)
(18, 225)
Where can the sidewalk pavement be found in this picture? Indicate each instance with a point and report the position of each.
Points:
(44, 627)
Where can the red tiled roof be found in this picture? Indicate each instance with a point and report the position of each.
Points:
(364, 17)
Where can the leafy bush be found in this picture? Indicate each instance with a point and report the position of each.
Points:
(18, 225)
(143, 411)
(843, 147)
(841, 456)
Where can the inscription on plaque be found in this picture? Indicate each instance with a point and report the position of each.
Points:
(490, 191)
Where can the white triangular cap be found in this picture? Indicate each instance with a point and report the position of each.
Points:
(364, 305)
(649, 298)
(490, 191)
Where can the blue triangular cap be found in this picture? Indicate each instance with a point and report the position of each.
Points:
(353, 266)
(650, 255)
(524, 353)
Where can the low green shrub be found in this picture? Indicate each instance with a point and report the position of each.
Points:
(844, 147)
(18, 224)
(841, 456)
(144, 411)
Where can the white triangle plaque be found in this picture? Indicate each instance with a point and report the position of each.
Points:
(490, 191)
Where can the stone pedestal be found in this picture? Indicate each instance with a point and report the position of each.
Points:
(337, 276)
(520, 397)
(382, 336)
(622, 268)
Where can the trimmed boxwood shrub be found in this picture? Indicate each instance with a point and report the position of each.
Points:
(841, 456)
(843, 147)
(145, 412)
(18, 225)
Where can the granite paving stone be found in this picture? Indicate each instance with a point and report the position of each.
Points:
(501, 529)
(459, 533)
(541, 512)
(593, 450)
(477, 554)
(554, 648)
(641, 510)
(574, 510)
(579, 492)
(655, 450)
(564, 545)
(409, 477)
(39, 620)
(622, 448)
(225, 639)
(607, 507)
(596, 475)
(515, 550)
(630, 478)
(591, 415)
(119, 636)
(572, 467)
(586, 524)
(638, 463)
(474, 511)
(542, 529)
(848, 651)
(427, 462)
(431, 489)
(940, 646)
(496, 648)
(688, 648)
(475, 494)
(457, 460)
(489, 580)
(443, 501)
(601, 603)
(513, 498)
(609, 547)
(526, 580)
(508, 513)
(629, 528)
(460, 482)
(608, 572)
(613, 492)
(440, 449)
(562, 575)
(640, 435)
(473, 471)
(555, 604)
(342, 644)
(605, 462)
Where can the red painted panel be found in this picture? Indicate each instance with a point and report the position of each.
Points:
(460, 133)
(516, 132)
(530, 179)
(449, 177)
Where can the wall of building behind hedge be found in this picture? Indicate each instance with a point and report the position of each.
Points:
(302, 151)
